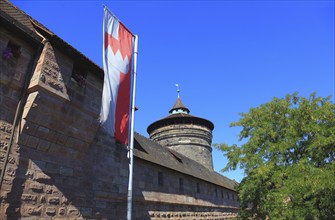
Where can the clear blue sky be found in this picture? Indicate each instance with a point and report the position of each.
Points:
(227, 56)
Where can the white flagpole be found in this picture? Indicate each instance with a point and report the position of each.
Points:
(131, 147)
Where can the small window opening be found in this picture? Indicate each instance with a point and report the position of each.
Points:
(216, 192)
(198, 187)
(11, 51)
(160, 179)
(227, 195)
(181, 184)
(221, 193)
(79, 75)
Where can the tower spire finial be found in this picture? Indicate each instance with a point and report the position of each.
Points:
(178, 90)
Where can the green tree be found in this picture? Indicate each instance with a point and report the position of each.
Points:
(288, 159)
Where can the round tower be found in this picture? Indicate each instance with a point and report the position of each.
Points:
(185, 134)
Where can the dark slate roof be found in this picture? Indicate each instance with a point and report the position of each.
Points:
(22, 21)
(153, 152)
(179, 105)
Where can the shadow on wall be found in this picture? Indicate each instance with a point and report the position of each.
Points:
(92, 186)
(67, 167)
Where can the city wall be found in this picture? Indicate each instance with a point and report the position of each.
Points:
(61, 165)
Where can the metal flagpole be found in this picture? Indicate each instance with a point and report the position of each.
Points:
(131, 147)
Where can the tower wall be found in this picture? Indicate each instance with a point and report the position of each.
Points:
(191, 140)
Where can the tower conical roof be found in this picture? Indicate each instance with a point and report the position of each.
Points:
(179, 107)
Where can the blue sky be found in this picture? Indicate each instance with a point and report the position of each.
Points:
(227, 56)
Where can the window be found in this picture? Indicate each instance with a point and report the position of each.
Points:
(216, 192)
(79, 75)
(227, 195)
(12, 51)
(221, 193)
(198, 188)
(160, 179)
(181, 184)
(11, 54)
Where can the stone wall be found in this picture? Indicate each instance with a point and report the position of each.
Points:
(12, 77)
(191, 191)
(191, 140)
(62, 166)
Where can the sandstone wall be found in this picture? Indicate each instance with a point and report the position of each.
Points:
(12, 72)
(62, 166)
(193, 141)
(170, 197)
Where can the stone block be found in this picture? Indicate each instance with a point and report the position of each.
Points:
(29, 198)
(30, 128)
(12, 160)
(52, 136)
(11, 171)
(61, 139)
(86, 212)
(54, 200)
(40, 177)
(8, 181)
(57, 149)
(23, 139)
(66, 171)
(50, 211)
(123, 172)
(32, 142)
(62, 211)
(49, 189)
(30, 174)
(36, 187)
(72, 211)
(141, 184)
(42, 199)
(43, 130)
(74, 143)
(52, 168)
(43, 145)
(31, 210)
(100, 204)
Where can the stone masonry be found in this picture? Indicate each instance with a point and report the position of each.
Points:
(56, 161)
(188, 139)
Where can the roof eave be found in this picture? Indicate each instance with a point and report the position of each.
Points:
(171, 120)
(13, 24)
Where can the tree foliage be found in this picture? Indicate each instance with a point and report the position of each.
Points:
(288, 159)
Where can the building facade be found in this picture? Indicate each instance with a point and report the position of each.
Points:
(56, 162)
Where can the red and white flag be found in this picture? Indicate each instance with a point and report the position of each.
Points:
(117, 57)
